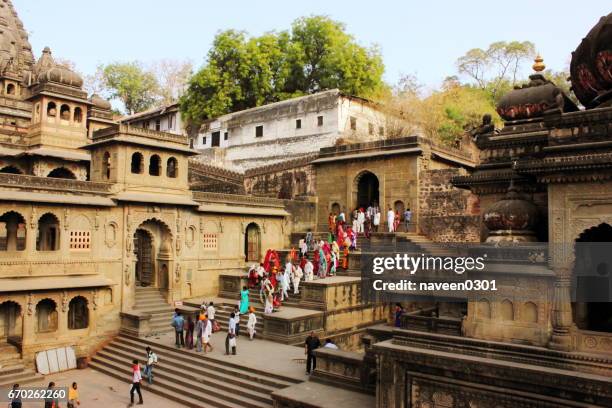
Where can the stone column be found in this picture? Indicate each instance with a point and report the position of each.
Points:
(11, 234)
(562, 311)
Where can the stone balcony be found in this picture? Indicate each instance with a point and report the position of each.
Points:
(34, 183)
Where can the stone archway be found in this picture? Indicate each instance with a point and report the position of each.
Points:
(153, 254)
(367, 191)
(252, 243)
(10, 321)
(145, 266)
(592, 309)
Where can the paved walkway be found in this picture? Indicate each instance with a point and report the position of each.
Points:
(99, 390)
(264, 355)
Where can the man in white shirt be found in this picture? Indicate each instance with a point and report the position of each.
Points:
(390, 219)
(210, 312)
(231, 336)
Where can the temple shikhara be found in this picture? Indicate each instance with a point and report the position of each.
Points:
(107, 225)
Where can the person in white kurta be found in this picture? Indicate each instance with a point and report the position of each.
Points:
(251, 324)
(308, 271)
(390, 219)
(267, 291)
(376, 221)
(206, 333)
(296, 277)
(286, 281)
(360, 222)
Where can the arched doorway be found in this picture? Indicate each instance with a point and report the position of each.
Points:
(335, 209)
(143, 249)
(593, 279)
(252, 243)
(10, 322)
(63, 173)
(367, 190)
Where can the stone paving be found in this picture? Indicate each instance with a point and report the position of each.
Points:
(264, 355)
(99, 390)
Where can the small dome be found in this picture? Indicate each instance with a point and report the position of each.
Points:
(512, 213)
(591, 66)
(534, 98)
(100, 102)
(61, 75)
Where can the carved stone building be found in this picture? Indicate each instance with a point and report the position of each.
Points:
(91, 212)
(543, 338)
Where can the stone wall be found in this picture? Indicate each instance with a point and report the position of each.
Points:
(448, 214)
(286, 180)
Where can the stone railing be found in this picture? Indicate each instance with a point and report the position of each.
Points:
(376, 145)
(452, 151)
(138, 131)
(341, 368)
(285, 165)
(49, 183)
(216, 172)
(432, 324)
(237, 199)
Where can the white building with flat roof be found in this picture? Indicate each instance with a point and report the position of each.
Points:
(288, 129)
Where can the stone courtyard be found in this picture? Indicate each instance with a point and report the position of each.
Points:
(107, 227)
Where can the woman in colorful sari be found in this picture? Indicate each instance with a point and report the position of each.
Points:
(322, 264)
(316, 261)
(340, 234)
(396, 221)
(244, 300)
(352, 237)
(331, 222)
(345, 257)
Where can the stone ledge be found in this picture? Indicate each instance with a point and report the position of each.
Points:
(311, 394)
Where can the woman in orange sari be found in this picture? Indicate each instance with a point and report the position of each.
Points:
(331, 222)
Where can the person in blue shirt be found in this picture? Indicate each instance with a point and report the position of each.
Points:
(179, 326)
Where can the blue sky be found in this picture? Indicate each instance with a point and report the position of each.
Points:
(417, 37)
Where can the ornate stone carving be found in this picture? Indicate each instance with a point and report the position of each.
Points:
(177, 274)
(64, 301)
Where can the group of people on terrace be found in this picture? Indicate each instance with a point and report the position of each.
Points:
(364, 222)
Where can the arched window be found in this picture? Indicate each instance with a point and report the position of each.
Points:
(154, 165)
(10, 170)
(48, 237)
(51, 110)
(78, 115)
(172, 168)
(46, 315)
(12, 232)
(506, 310)
(65, 112)
(335, 208)
(483, 309)
(78, 313)
(10, 89)
(529, 312)
(62, 172)
(137, 163)
(106, 165)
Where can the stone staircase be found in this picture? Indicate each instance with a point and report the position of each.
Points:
(194, 380)
(223, 311)
(150, 300)
(12, 369)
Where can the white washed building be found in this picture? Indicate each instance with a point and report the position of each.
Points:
(288, 129)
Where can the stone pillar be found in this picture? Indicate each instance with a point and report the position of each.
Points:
(562, 311)
(11, 234)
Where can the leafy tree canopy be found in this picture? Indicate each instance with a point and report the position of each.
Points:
(131, 84)
(316, 54)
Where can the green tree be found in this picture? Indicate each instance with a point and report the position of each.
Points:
(134, 86)
(243, 72)
(497, 68)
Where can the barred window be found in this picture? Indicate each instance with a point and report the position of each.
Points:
(210, 241)
(80, 240)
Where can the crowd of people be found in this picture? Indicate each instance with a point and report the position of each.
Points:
(364, 222)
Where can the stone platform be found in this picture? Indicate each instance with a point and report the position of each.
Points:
(315, 395)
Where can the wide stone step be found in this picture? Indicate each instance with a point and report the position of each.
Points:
(21, 376)
(251, 374)
(201, 379)
(173, 391)
(154, 309)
